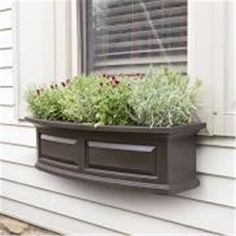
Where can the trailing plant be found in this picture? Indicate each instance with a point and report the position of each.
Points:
(162, 98)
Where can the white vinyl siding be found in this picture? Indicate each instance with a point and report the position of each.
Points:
(5, 38)
(5, 18)
(6, 77)
(7, 98)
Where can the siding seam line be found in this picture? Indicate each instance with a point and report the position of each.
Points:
(7, 105)
(5, 29)
(2, 104)
(18, 145)
(5, 48)
(6, 67)
(5, 9)
(17, 124)
(6, 86)
(216, 145)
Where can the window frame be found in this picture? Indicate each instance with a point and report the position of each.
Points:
(82, 7)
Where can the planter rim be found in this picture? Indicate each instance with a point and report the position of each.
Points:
(191, 128)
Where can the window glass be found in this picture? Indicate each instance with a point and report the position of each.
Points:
(127, 36)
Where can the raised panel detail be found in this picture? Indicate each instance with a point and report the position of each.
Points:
(60, 149)
(139, 159)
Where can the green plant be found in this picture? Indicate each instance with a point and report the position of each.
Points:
(80, 99)
(46, 103)
(112, 106)
(164, 98)
(88, 99)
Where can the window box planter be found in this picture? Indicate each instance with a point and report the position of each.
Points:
(162, 160)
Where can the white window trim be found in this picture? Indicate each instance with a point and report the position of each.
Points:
(207, 25)
(230, 114)
(34, 48)
(54, 63)
(75, 40)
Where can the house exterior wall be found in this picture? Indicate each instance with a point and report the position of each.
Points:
(70, 206)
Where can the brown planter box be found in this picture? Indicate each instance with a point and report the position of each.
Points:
(157, 159)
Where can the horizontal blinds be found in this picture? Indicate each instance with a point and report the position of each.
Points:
(127, 36)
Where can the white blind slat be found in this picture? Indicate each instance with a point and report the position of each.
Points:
(140, 16)
(167, 51)
(132, 70)
(122, 7)
(137, 61)
(165, 32)
(139, 43)
(169, 22)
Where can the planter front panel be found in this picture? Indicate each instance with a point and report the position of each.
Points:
(60, 149)
(162, 162)
(129, 158)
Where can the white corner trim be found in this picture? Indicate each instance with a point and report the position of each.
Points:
(200, 54)
(207, 54)
(63, 32)
(74, 49)
(35, 48)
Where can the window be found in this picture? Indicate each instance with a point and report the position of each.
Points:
(127, 36)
